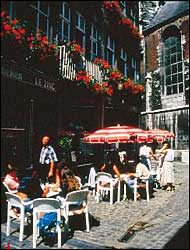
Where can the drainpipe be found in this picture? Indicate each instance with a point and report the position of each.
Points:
(148, 80)
(31, 130)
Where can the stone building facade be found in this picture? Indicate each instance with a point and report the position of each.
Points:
(166, 72)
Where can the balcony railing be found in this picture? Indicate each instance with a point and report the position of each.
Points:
(67, 68)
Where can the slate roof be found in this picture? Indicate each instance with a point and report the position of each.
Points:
(169, 10)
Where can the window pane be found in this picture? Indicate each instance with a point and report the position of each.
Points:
(82, 23)
(173, 50)
(168, 90)
(179, 66)
(167, 52)
(66, 30)
(175, 89)
(94, 48)
(66, 11)
(43, 23)
(178, 46)
(167, 60)
(168, 80)
(179, 57)
(174, 79)
(168, 70)
(174, 68)
(180, 77)
(173, 58)
(44, 6)
(180, 88)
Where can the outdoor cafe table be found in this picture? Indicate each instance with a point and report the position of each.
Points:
(51, 193)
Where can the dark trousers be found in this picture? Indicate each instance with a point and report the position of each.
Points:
(43, 170)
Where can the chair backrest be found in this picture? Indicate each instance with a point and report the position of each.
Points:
(77, 196)
(92, 177)
(8, 189)
(14, 199)
(145, 178)
(103, 176)
(46, 204)
(79, 179)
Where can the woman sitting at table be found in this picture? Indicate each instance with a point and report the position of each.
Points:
(111, 164)
(65, 179)
(11, 180)
(30, 189)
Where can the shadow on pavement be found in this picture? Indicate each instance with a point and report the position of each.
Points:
(180, 240)
(77, 222)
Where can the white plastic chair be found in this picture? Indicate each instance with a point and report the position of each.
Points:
(79, 196)
(16, 201)
(106, 183)
(142, 185)
(9, 190)
(92, 179)
(45, 205)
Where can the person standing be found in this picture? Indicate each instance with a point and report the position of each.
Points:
(167, 172)
(144, 153)
(47, 161)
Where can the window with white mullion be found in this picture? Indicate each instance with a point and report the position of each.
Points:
(134, 69)
(42, 16)
(124, 9)
(123, 57)
(80, 22)
(173, 66)
(93, 42)
(65, 22)
(110, 55)
(80, 30)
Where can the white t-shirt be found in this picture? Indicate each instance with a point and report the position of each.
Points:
(145, 150)
(11, 181)
(169, 156)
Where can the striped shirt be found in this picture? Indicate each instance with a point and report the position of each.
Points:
(47, 155)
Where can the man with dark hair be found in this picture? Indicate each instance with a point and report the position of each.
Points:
(47, 161)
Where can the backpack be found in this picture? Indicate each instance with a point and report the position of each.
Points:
(45, 224)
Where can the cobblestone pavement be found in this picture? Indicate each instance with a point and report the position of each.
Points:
(156, 221)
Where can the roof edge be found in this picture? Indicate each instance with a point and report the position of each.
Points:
(151, 29)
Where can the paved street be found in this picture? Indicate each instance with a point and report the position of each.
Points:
(155, 223)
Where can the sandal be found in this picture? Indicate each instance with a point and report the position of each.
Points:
(138, 196)
(168, 189)
(14, 214)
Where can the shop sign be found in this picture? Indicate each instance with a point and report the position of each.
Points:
(44, 84)
(15, 75)
(28, 77)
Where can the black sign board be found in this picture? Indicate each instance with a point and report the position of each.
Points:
(12, 71)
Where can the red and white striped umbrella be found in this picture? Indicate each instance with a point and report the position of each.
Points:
(159, 134)
(117, 134)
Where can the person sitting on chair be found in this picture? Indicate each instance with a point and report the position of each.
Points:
(66, 180)
(11, 180)
(111, 164)
(141, 171)
(30, 189)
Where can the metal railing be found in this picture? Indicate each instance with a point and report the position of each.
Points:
(67, 68)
